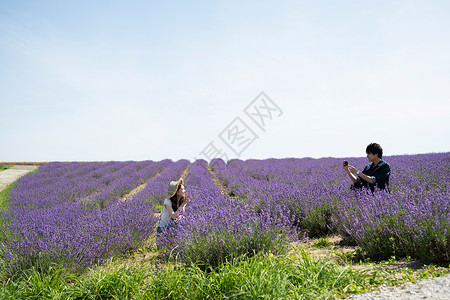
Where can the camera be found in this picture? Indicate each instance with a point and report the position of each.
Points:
(345, 163)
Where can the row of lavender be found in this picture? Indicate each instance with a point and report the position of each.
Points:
(97, 183)
(411, 220)
(308, 188)
(155, 190)
(68, 214)
(216, 227)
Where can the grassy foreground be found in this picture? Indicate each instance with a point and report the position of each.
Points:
(293, 276)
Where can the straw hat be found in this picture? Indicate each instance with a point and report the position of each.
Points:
(173, 187)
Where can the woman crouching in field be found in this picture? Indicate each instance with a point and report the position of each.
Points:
(173, 207)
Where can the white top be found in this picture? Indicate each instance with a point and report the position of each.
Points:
(165, 217)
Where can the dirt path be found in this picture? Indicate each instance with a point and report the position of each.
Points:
(12, 174)
(437, 288)
(185, 172)
(223, 188)
(432, 288)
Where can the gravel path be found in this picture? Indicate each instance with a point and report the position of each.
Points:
(12, 174)
(433, 288)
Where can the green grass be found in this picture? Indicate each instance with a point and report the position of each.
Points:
(4, 197)
(264, 276)
(5, 167)
(322, 243)
(36, 285)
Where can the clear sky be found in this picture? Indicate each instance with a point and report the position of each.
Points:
(137, 80)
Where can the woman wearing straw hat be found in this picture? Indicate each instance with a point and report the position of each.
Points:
(173, 205)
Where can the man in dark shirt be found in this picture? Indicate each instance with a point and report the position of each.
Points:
(376, 173)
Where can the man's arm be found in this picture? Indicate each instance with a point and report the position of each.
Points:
(369, 179)
(352, 171)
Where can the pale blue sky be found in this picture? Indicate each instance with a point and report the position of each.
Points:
(135, 80)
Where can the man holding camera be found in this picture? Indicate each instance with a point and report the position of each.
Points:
(376, 173)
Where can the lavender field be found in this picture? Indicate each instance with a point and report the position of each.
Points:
(78, 215)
